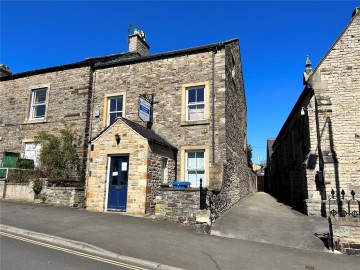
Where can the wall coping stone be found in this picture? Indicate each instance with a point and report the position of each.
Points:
(179, 189)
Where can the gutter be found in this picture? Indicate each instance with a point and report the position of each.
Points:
(213, 105)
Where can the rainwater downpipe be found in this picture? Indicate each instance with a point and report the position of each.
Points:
(213, 105)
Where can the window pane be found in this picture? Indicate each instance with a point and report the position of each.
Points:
(191, 177)
(200, 95)
(40, 96)
(200, 174)
(118, 114)
(191, 160)
(200, 160)
(39, 111)
(196, 112)
(192, 96)
(123, 178)
(119, 101)
(112, 104)
(112, 118)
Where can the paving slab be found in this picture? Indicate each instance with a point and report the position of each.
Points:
(261, 218)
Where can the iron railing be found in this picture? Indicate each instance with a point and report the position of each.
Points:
(345, 205)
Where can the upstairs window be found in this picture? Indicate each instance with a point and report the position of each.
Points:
(195, 103)
(115, 108)
(38, 104)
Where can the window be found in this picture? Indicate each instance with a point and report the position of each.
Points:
(164, 170)
(195, 103)
(38, 104)
(115, 108)
(195, 167)
(32, 151)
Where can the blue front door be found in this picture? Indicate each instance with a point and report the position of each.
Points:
(118, 182)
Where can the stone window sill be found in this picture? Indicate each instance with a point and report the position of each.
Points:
(179, 189)
(195, 123)
(37, 121)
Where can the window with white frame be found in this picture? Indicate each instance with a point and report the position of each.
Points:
(32, 151)
(195, 103)
(195, 167)
(115, 108)
(38, 104)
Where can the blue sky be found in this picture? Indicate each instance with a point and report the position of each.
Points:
(275, 37)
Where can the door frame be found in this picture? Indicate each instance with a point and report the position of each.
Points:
(108, 169)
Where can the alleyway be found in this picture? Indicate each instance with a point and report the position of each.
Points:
(261, 218)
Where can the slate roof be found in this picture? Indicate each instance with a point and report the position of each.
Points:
(124, 58)
(148, 134)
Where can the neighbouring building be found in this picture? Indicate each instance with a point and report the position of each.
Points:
(143, 122)
(318, 148)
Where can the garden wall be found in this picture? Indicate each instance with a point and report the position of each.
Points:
(73, 196)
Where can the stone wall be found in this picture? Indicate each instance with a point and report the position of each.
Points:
(238, 178)
(65, 196)
(179, 205)
(131, 144)
(321, 135)
(336, 83)
(165, 78)
(69, 96)
(346, 234)
(21, 192)
(156, 155)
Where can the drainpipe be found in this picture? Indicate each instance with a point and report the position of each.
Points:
(213, 105)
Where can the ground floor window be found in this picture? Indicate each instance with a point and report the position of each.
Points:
(195, 167)
(32, 151)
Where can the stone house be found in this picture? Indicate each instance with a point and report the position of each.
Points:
(196, 128)
(318, 147)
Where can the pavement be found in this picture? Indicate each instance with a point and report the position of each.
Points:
(168, 245)
(261, 218)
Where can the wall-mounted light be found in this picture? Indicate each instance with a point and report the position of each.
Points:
(303, 110)
(117, 138)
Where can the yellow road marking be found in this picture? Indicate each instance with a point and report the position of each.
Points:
(92, 257)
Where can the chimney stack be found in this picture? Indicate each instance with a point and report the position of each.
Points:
(4, 71)
(138, 44)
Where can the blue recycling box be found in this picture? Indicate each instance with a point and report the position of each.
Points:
(181, 184)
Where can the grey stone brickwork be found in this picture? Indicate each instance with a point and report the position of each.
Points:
(318, 148)
(156, 155)
(77, 93)
(65, 195)
(138, 44)
(179, 205)
(69, 96)
(346, 234)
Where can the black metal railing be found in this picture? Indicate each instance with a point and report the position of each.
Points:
(343, 206)
(212, 200)
(203, 195)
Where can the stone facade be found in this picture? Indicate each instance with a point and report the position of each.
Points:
(346, 234)
(68, 98)
(144, 168)
(82, 93)
(318, 148)
(179, 205)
